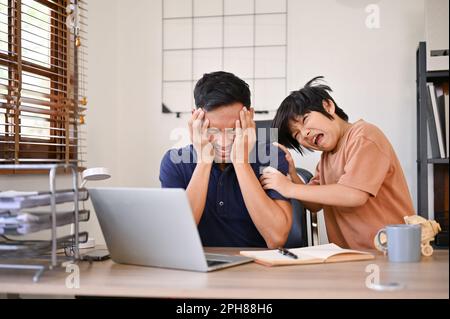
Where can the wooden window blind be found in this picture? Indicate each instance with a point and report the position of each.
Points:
(42, 81)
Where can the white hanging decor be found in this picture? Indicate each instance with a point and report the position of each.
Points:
(73, 21)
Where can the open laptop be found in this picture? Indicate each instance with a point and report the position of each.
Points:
(154, 227)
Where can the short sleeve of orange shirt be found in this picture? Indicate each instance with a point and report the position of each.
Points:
(366, 166)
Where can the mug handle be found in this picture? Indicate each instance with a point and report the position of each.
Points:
(378, 244)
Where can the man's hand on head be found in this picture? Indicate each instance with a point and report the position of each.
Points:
(245, 139)
(198, 127)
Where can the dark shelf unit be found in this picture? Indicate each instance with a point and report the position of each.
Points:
(438, 161)
(437, 75)
(423, 160)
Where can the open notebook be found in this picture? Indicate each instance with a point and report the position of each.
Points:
(329, 253)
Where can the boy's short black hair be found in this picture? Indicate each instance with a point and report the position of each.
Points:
(220, 89)
(308, 99)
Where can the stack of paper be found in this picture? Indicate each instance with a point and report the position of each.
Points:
(27, 223)
(12, 200)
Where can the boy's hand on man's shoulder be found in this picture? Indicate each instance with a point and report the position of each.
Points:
(292, 169)
(275, 180)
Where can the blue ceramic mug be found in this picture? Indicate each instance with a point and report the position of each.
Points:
(403, 242)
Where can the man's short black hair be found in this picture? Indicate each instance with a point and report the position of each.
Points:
(308, 99)
(221, 89)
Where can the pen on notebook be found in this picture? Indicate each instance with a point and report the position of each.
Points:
(286, 252)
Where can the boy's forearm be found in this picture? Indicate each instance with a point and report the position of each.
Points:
(268, 217)
(315, 196)
(313, 207)
(197, 190)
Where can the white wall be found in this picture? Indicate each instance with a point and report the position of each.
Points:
(371, 71)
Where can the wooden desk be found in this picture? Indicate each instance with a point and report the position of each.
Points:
(427, 279)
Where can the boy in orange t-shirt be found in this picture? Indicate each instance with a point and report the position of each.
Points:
(359, 182)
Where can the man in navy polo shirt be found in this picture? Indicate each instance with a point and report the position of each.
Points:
(220, 171)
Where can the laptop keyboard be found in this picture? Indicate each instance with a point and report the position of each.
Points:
(216, 262)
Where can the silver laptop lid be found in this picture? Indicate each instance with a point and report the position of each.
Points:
(149, 227)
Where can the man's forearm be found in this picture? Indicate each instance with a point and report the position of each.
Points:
(197, 190)
(269, 218)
